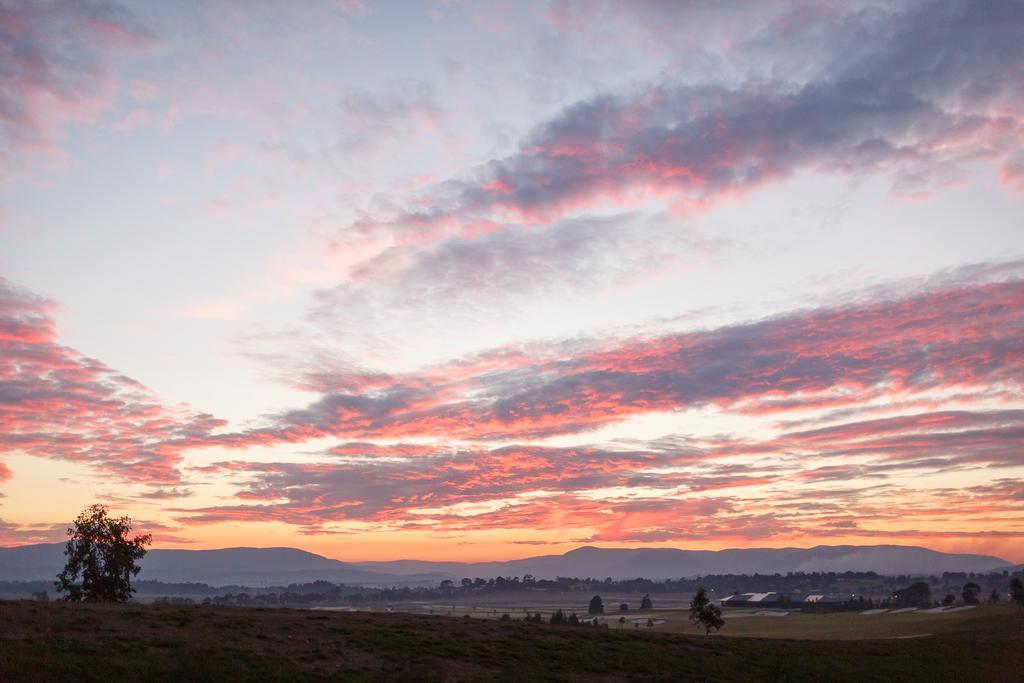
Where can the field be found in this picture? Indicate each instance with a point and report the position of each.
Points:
(845, 625)
(57, 641)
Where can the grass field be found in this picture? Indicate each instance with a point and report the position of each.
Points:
(845, 625)
(57, 641)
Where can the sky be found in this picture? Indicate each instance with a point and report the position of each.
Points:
(484, 280)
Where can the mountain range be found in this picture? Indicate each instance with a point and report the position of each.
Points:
(227, 566)
(280, 566)
(672, 563)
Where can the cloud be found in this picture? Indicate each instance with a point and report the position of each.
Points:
(912, 91)
(373, 482)
(467, 278)
(13, 533)
(678, 488)
(58, 403)
(55, 68)
(959, 337)
(600, 192)
(371, 120)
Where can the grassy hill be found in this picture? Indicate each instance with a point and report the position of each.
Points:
(58, 641)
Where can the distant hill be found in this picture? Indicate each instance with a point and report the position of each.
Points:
(242, 566)
(672, 563)
(280, 566)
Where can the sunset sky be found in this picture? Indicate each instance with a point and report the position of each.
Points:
(483, 280)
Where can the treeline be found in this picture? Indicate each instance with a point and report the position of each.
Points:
(865, 589)
(862, 588)
(869, 585)
(325, 593)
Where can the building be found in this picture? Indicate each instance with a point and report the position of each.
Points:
(751, 600)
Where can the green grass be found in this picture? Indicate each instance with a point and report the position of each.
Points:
(57, 642)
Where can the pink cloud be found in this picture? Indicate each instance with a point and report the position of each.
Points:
(57, 69)
(901, 109)
(679, 488)
(960, 337)
(57, 403)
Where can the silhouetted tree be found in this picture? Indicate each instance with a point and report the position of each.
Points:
(624, 607)
(970, 593)
(704, 613)
(596, 605)
(917, 594)
(505, 617)
(558, 617)
(1017, 591)
(646, 602)
(573, 620)
(101, 558)
(948, 600)
(993, 597)
(622, 621)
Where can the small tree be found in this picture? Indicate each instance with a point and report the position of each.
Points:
(1017, 591)
(558, 617)
(573, 620)
(993, 597)
(970, 594)
(101, 558)
(596, 605)
(704, 613)
(948, 600)
(646, 602)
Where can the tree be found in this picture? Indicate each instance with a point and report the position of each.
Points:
(917, 594)
(1017, 591)
(646, 602)
(573, 620)
(596, 605)
(948, 600)
(993, 598)
(101, 557)
(624, 607)
(970, 594)
(558, 617)
(705, 613)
